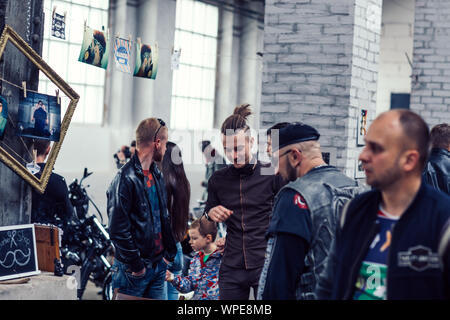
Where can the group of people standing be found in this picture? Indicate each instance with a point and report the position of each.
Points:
(297, 228)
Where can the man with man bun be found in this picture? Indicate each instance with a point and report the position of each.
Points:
(241, 196)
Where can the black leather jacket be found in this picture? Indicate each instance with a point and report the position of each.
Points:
(131, 219)
(437, 170)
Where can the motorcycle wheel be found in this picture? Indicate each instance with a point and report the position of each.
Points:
(107, 289)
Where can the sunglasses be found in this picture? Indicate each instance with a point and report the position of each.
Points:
(288, 151)
(161, 124)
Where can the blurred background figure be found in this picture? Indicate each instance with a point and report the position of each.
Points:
(214, 161)
(271, 131)
(124, 154)
(178, 195)
(437, 170)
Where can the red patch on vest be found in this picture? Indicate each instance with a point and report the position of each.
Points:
(300, 202)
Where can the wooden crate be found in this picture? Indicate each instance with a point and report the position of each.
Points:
(47, 246)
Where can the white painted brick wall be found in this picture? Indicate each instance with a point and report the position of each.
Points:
(430, 94)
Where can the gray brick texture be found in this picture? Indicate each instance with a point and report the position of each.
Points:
(321, 67)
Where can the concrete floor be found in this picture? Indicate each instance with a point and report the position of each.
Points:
(92, 292)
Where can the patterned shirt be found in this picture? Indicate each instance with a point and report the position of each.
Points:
(156, 211)
(202, 277)
(371, 282)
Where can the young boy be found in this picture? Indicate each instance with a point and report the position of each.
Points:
(204, 267)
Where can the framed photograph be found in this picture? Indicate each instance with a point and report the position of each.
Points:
(39, 117)
(362, 127)
(8, 155)
(18, 256)
(359, 172)
(146, 61)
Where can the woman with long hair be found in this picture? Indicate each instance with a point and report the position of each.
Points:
(178, 196)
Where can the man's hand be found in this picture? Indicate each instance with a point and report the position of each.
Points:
(219, 214)
(169, 276)
(220, 243)
(138, 274)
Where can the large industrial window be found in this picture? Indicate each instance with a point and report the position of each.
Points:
(193, 87)
(62, 56)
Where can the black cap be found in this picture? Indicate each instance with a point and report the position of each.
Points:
(294, 133)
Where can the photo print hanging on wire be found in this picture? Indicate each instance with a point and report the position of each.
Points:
(39, 117)
(362, 127)
(58, 25)
(3, 115)
(95, 48)
(122, 49)
(146, 60)
(176, 59)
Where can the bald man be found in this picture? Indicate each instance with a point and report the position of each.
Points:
(397, 233)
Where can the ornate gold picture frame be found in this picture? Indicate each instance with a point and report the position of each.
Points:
(9, 35)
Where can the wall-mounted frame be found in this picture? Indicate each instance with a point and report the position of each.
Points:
(9, 35)
(359, 171)
(362, 127)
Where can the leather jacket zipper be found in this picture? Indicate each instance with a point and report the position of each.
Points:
(242, 220)
(367, 242)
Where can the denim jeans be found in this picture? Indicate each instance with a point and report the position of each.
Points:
(175, 267)
(150, 285)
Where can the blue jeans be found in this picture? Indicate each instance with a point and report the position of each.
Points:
(175, 267)
(150, 285)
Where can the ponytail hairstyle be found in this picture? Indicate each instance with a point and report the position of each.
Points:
(238, 120)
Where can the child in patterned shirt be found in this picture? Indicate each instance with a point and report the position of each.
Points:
(204, 267)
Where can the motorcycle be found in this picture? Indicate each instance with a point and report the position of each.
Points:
(86, 242)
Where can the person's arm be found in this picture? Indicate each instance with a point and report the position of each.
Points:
(324, 285)
(214, 211)
(285, 265)
(186, 284)
(289, 235)
(68, 208)
(120, 200)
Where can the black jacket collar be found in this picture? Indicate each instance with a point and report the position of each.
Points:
(246, 170)
(138, 167)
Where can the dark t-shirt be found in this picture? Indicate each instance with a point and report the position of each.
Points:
(40, 116)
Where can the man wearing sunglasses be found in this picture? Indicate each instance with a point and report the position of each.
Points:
(303, 220)
(139, 222)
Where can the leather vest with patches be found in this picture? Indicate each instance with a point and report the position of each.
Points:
(325, 191)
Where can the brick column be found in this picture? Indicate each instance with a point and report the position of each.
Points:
(430, 87)
(320, 67)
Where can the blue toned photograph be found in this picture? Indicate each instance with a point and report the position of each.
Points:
(39, 117)
(3, 115)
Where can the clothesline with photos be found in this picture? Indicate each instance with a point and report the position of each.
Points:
(146, 61)
(95, 49)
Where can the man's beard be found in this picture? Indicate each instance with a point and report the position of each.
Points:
(157, 156)
(389, 177)
(291, 172)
